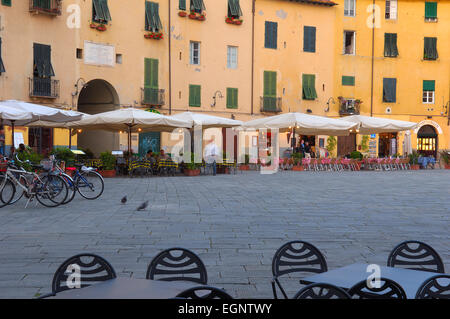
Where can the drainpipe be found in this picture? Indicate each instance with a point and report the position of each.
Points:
(170, 60)
(373, 58)
(253, 56)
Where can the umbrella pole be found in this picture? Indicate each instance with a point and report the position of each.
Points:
(70, 138)
(129, 141)
(12, 133)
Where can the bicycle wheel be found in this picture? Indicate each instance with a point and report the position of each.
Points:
(51, 190)
(7, 191)
(19, 190)
(71, 188)
(90, 185)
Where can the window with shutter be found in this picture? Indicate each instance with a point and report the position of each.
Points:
(42, 61)
(6, 3)
(2, 66)
(182, 5)
(152, 19)
(428, 92)
(309, 87)
(349, 8)
(151, 84)
(391, 9)
(234, 9)
(271, 35)
(389, 90)
(430, 49)
(390, 45)
(100, 11)
(431, 11)
(309, 39)
(348, 80)
(197, 6)
(194, 95)
(270, 91)
(232, 98)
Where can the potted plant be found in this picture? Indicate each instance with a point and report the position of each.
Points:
(158, 36)
(108, 165)
(237, 21)
(245, 166)
(192, 168)
(414, 160)
(445, 155)
(229, 20)
(193, 15)
(101, 27)
(182, 14)
(297, 157)
(201, 17)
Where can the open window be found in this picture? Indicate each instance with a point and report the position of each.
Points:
(100, 11)
(152, 19)
(234, 9)
(197, 6)
(349, 42)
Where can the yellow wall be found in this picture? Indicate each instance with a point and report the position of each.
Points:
(408, 68)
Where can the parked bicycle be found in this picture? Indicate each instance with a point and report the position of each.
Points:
(48, 188)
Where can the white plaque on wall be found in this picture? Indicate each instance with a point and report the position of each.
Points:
(99, 54)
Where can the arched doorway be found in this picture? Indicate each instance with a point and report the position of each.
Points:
(427, 141)
(98, 96)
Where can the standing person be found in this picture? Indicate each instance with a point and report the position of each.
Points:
(301, 148)
(307, 150)
(2, 141)
(212, 155)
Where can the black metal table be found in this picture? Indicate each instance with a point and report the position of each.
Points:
(128, 288)
(347, 276)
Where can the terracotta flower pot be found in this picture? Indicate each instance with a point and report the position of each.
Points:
(447, 166)
(237, 22)
(244, 167)
(415, 167)
(192, 172)
(201, 18)
(297, 168)
(229, 20)
(101, 28)
(93, 26)
(192, 16)
(108, 173)
(182, 14)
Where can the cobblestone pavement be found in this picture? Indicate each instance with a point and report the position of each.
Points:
(234, 222)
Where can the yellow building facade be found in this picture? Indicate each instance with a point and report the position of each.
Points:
(236, 59)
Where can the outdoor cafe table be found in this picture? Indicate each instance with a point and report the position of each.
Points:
(128, 288)
(346, 277)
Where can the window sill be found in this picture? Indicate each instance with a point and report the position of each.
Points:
(431, 20)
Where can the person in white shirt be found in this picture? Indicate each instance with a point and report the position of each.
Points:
(211, 155)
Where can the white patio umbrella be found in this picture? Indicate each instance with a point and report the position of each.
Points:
(21, 113)
(304, 124)
(374, 125)
(130, 120)
(206, 121)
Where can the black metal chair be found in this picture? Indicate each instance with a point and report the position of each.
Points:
(81, 271)
(423, 257)
(388, 289)
(204, 292)
(322, 291)
(186, 266)
(437, 287)
(288, 259)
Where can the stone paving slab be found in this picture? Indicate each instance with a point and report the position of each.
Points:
(234, 222)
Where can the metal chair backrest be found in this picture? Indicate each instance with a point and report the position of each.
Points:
(437, 287)
(204, 292)
(388, 289)
(322, 291)
(422, 257)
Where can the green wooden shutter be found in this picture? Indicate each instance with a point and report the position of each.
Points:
(232, 98)
(234, 8)
(348, 80)
(195, 95)
(271, 35)
(430, 10)
(309, 39)
(428, 85)
(182, 5)
(394, 48)
(147, 72)
(2, 66)
(430, 49)
(389, 90)
(270, 91)
(390, 45)
(6, 3)
(106, 14)
(308, 86)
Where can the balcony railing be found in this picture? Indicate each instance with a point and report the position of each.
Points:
(153, 97)
(349, 107)
(50, 7)
(270, 104)
(45, 88)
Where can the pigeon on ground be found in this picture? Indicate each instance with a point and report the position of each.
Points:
(143, 206)
(124, 200)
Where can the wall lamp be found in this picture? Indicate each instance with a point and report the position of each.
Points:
(219, 95)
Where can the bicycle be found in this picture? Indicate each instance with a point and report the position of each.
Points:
(50, 189)
(89, 184)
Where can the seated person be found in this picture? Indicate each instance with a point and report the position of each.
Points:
(163, 155)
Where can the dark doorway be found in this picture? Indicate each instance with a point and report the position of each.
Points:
(427, 141)
(40, 139)
(98, 96)
(346, 145)
(387, 144)
(149, 142)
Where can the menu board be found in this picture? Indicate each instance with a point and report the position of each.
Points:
(372, 147)
(99, 54)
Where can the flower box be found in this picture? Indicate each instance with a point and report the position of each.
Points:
(191, 172)
(108, 173)
(197, 16)
(231, 20)
(93, 26)
(182, 14)
(415, 167)
(101, 27)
